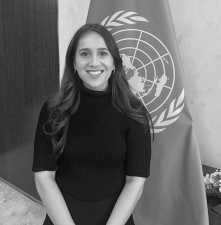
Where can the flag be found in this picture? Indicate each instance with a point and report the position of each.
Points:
(174, 193)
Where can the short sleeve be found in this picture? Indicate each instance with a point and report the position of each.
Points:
(43, 146)
(138, 154)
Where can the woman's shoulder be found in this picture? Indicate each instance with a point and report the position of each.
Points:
(44, 107)
(137, 104)
(44, 112)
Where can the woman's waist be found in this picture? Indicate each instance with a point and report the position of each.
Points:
(88, 190)
(88, 212)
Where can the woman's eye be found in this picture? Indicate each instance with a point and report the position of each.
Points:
(84, 54)
(103, 53)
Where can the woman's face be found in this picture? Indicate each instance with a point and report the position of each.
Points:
(93, 61)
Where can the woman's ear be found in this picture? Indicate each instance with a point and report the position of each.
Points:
(75, 70)
(113, 70)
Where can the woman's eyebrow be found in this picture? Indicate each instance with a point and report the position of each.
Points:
(103, 49)
(88, 49)
(83, 49)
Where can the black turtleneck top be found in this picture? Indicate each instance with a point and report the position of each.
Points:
(102, 147)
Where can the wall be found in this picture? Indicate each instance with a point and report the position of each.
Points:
(72, 15)
(29, 73)
(197, 26)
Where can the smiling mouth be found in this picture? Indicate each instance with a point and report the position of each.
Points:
(94, 72)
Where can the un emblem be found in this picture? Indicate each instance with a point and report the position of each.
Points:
(149, 68)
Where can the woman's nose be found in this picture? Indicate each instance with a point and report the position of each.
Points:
(94, 61)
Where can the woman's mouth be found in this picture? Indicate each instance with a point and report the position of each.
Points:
(94, 73)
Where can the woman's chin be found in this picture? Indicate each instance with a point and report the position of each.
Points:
(97, 86)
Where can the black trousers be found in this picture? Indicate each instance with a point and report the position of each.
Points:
(90, 213)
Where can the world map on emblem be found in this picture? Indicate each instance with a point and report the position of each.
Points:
(148, 66)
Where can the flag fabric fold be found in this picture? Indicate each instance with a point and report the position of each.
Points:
(174, 193)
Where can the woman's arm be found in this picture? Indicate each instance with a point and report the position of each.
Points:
(52, 198)
(127, 200)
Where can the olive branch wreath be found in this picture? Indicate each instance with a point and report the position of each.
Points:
(121, 18)
(117, 20)
(174, 111)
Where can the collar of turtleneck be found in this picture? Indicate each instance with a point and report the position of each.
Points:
(95, 98)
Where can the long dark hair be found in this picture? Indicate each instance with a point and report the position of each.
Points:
(66, 102)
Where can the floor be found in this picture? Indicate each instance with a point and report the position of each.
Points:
(17, 209)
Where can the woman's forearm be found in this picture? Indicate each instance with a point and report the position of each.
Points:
(54, 202)
(126, 202)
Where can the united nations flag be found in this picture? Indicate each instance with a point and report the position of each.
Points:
(174, 193)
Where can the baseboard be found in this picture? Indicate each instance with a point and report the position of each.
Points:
(22, 192)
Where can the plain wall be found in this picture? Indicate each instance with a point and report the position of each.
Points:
(197, 25)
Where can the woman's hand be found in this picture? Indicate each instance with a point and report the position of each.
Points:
(127, 200)
(52, 198)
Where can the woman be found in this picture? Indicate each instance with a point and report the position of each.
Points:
(92, 145)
